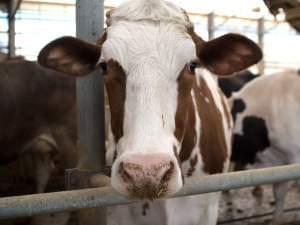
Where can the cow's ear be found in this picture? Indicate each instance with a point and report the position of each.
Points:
(70, 55)
(229, 54)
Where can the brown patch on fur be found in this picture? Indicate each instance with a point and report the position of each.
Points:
(115, 82)
(226, 111)
(212, 140)
(185, 115)
(193, 163)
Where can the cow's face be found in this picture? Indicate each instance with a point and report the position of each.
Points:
(149, 54)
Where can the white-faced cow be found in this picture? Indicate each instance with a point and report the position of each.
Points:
(169, 120)
(266, 126)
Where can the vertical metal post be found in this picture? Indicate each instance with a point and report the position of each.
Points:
(211, 25)
(90, 102)
(260, 36)
(11, 31)
(90, 94)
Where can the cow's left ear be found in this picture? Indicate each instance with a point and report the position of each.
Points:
(228, 54)
(70, 55)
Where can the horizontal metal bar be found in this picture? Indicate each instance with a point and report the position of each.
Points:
(22, 206)
(231, 221)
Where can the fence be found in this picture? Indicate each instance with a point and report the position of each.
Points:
(20, 206)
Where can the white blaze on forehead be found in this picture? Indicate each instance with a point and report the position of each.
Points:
(154, 10)
(152, 53)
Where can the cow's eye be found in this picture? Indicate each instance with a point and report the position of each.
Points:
(192, 66)
(103, 66)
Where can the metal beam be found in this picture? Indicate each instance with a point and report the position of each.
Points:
(22, 206)
(90, 94)
(12, 7)
(11, 37)
(90, 102)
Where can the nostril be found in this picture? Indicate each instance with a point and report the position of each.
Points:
(124, 174)
(167, 175)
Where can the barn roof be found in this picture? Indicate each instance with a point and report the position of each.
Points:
(291, 9)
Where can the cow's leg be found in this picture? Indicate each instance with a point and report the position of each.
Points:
(280, 191)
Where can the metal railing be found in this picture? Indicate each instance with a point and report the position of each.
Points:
(29, 205)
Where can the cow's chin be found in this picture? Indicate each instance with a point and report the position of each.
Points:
(146, 188)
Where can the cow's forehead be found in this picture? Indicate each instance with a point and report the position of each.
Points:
(154, 10)
(142, 44)
(144, 34)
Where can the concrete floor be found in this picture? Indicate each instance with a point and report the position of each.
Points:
(241, 203)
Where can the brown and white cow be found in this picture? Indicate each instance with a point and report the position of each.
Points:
(168, 118)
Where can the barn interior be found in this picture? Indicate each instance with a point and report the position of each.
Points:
(28, 25)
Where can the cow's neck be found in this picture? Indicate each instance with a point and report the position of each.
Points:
(204, 142)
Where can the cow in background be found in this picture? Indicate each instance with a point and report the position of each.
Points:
(169, 120)
(233, 84)
(38, 128)
(266, 127)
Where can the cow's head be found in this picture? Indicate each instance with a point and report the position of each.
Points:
(149, 54)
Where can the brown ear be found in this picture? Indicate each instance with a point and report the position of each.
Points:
(70, 55)
(229, 54)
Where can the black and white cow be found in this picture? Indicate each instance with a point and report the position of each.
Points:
(169, 120)
(266, 126)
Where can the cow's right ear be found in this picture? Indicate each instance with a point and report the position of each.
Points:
(70, 55)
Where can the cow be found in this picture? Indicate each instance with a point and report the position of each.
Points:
(38, 128)
(169, 120)
(235, 83)
(265, 114)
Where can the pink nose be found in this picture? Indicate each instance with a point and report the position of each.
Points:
(147, 175)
